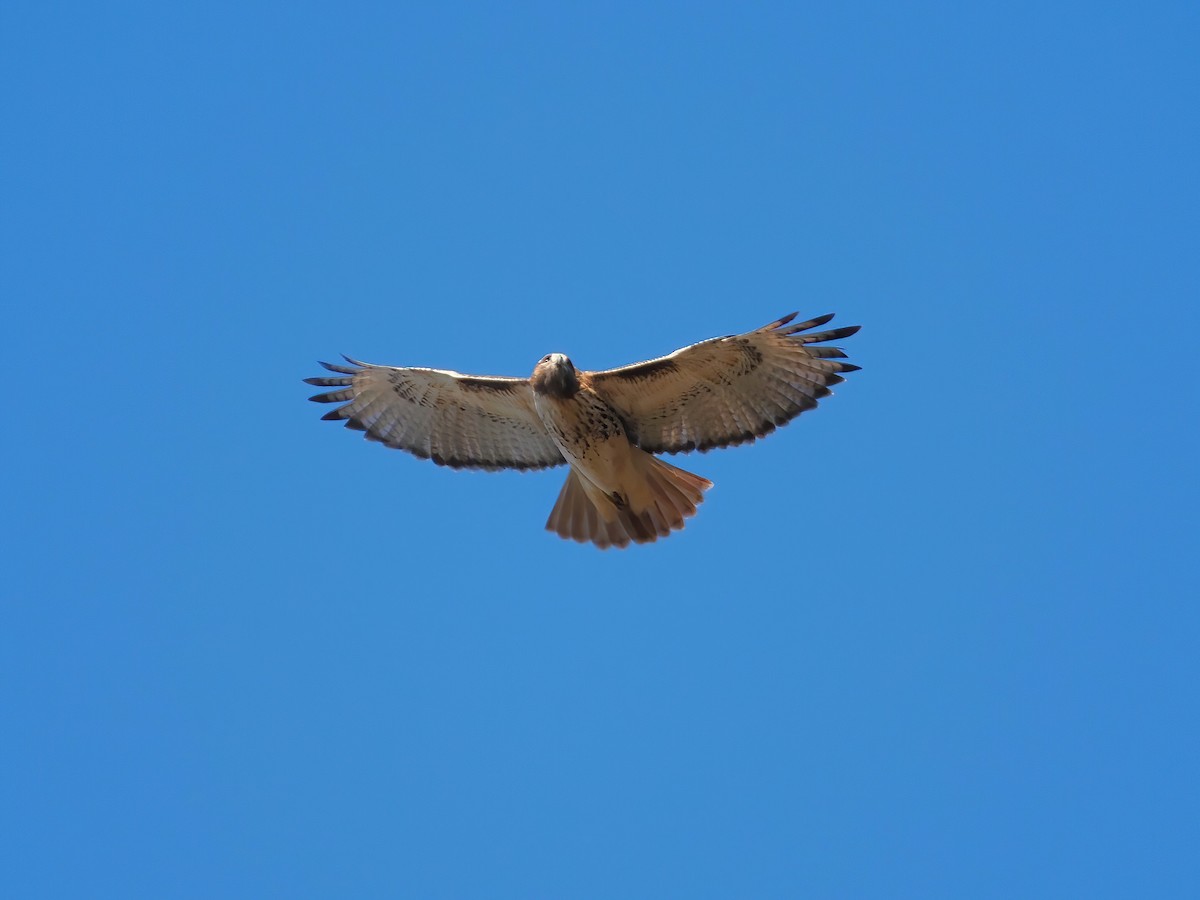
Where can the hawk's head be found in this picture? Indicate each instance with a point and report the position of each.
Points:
(554, 376)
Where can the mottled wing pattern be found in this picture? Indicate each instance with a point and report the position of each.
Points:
(456, 420)
(729, 390)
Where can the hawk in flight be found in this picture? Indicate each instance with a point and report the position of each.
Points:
(606, 426)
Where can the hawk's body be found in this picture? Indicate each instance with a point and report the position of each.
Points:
(587, 431)
(604, 425)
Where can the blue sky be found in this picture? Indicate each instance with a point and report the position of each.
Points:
(938, 638)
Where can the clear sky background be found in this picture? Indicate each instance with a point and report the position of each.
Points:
(937, 638)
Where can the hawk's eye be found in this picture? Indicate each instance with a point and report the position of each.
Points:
(546, 358)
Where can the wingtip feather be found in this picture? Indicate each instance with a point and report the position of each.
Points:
(810, 324)
(833, 334)
(779, 323)
(334, 367)
(321, 381)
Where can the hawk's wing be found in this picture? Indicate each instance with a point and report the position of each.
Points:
(727, 390)
(456, 420)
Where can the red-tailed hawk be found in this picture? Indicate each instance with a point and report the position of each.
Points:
(605, 425)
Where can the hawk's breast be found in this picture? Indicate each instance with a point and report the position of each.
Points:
(582, 425)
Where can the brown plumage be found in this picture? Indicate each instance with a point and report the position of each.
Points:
(605, 425)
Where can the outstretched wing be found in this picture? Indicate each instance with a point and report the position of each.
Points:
(729, 390)
(456, 420)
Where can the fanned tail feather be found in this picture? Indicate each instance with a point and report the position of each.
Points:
(585, 514)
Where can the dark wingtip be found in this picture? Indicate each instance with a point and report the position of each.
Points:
(334, 415)
(334, 367)
(808, 326)
(850, 367)
(834, 334)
